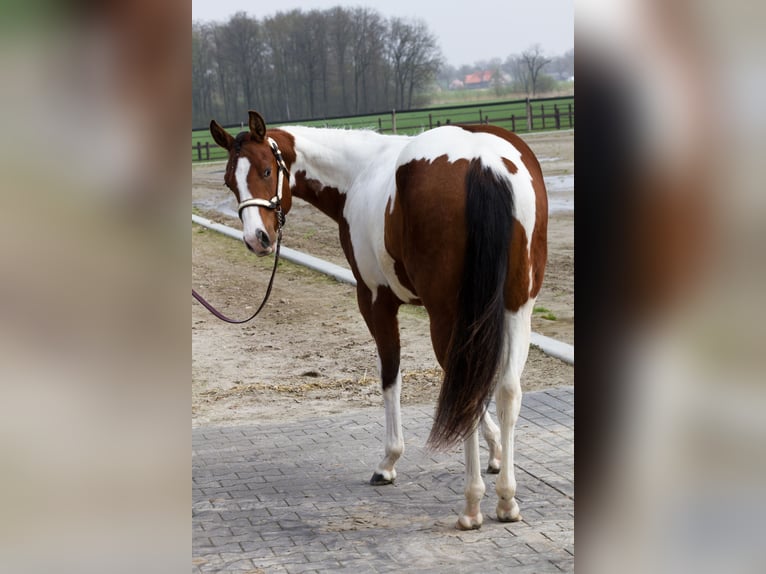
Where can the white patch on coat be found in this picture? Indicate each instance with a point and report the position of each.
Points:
(251, 216)
(361, 165)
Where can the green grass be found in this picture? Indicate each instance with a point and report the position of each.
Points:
(544, 313)
(416, 121)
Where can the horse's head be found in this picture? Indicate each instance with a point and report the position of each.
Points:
(258, 177)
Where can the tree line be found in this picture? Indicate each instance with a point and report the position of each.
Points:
(321, 63)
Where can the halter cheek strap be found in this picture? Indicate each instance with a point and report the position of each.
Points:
(282, 172)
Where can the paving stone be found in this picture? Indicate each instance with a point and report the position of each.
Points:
(294, 497)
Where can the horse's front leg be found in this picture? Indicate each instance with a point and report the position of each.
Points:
(492, 435)
(394, 447)
(381, 318)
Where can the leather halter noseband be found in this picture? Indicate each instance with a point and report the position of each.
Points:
(274, 203)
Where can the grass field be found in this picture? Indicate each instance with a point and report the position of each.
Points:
(508, 114)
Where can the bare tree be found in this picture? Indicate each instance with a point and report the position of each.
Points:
(533, 60)
(341, 26)
(562, 67)
(415, 58)
(203, 74)
(368, 34)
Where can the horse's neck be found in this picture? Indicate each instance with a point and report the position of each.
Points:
(327, 161)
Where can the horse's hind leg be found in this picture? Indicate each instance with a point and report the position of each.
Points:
(380, 316)
(471, 517)
(508, 400)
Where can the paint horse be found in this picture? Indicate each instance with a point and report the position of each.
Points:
(454, 219)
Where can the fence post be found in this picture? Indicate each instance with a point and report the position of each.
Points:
(557, 116)
(430, 122)
(570, 115)
(199, 151)
(542, 113)
(207, 151)
(481, 117)
(529, 115)
(380, 126)
(513, 122)
(393, 121)
(486, 119)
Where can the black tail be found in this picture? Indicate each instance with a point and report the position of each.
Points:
(478, 336)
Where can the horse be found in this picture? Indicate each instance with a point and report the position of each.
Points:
(453, 219)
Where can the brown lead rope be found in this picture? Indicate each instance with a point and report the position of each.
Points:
(223, 317)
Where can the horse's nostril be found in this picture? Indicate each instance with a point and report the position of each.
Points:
(263, 238)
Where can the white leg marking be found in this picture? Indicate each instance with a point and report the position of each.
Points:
(491, 434)
(394, 438)
(471, 518)
(508, 400)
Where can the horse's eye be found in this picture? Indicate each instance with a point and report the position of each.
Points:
(267, 172)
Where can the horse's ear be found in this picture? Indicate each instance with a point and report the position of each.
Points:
(220, 135)
(257, 126)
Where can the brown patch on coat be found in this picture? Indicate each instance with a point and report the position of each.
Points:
(517, 281)
(286, 143)
(328, 200)
(539, 247)
(426, 234)
(392, 235)
(510, 166)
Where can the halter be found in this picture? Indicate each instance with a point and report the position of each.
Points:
(274, 203)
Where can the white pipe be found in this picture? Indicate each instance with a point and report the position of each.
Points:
(554, 348)
(336, 271)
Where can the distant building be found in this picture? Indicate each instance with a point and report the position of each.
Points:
(478, 79)
(456, 85)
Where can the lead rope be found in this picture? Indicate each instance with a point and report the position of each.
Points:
(221, 316)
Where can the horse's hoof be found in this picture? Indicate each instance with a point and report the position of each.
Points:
(492, 470)
(508, 512)
(380, 480)
(469, 522)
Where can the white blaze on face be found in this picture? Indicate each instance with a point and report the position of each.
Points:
(251, 216)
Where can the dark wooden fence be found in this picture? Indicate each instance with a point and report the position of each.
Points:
(518, 116)
(551, 117)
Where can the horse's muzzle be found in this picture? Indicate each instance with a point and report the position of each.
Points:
(262, 245)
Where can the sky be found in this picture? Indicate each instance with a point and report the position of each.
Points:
(467, 31)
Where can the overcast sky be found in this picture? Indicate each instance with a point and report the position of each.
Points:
(467, 31)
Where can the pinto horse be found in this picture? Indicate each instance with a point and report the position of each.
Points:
(454, 219)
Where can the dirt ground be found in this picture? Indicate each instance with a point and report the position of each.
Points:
(309, 352)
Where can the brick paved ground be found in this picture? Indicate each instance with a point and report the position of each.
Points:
(294, 497)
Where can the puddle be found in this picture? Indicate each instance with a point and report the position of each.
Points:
(560, 193)
(559, 183)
